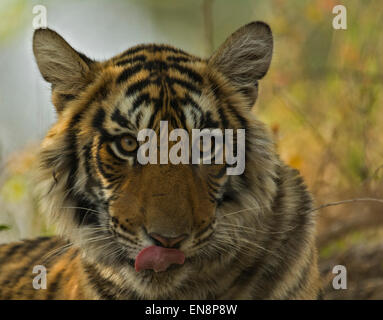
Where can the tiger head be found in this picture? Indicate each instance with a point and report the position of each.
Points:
(112, 206)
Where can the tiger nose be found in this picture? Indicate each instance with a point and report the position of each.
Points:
(166, 241)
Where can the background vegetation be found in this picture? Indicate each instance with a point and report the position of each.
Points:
(322, 100)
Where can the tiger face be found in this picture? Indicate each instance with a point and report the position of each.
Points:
(90, 181)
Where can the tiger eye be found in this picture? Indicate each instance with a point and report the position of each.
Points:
(128, 144)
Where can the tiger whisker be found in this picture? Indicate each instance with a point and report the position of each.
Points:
(255, 230)
(56, 251)
(83, 208)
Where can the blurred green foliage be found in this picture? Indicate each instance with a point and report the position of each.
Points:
(13, 14)
(4, 227)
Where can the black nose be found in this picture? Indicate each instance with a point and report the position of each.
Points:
(166, 241)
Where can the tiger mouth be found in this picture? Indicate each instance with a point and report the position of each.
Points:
(171, 269)
(158, 258)
(127, 260)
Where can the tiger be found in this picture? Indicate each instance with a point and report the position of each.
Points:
(133, 231)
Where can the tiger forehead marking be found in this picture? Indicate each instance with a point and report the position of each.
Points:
(209, 235)
(160, 82)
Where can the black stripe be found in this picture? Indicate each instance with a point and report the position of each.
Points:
(220, 173)
(223, 118)
(258, 266)
(12, 250)
(242, 120)
(156, 65)
(113, 154)
(54, 286)
(152, 118)
(196, 111)
(128, 73)
(87, 60)
(23, 248)
(201, 232)
(106, 289)
(87, 160)
(71, 145)
(138, 119)
(132, 51)
(16, 275)
(100, 165)
(72, 160)
(137, 86)
(292, 242)
(126, 238)
(213, 183)
(98, 124)
(67, 97)
(174, 104)
(212, 197)
(142, 98)
(103, 287)
(189, 100)
(121, 120)
(88, 216)
(178, 59)
(31, 244)
(301, 281)
(26, 286)
(185, 84)
(221, 98)
(188, 72)
(208, 121)
(138, 58)
(157, 106)
(92, 180)
(204, 239)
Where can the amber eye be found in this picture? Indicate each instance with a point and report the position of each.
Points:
(126, 145)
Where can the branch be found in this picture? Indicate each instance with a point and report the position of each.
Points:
(330, 204)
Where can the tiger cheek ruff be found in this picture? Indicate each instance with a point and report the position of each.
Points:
(128, 230)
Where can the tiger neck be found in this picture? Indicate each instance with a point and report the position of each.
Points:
(213, 283)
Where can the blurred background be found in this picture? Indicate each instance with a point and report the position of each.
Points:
(322, 99)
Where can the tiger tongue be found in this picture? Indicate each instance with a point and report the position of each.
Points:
(158, 258)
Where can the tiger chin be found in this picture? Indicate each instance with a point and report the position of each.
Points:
(165, 231)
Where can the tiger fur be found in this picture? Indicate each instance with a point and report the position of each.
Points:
(249, 236)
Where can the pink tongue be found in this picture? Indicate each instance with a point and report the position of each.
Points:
(158, 258)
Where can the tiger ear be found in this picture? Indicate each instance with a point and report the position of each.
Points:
(66, 69)
(245, 57)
